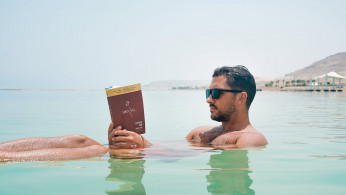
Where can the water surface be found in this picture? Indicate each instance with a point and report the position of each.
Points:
(306, 154)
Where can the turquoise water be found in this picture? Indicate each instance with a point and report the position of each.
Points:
(306, 152)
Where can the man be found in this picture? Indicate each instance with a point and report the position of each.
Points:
(231, 93)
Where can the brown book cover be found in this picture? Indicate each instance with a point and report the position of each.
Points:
(126, 107)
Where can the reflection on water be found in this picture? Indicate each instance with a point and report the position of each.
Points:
(230, 173)
(337, 156)
(129, 172)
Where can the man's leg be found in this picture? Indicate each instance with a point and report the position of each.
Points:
(36, 143)
(67, 147)
(56, 153)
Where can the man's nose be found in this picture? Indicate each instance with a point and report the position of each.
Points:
(210, 99)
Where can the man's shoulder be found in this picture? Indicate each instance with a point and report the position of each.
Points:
(252, 138)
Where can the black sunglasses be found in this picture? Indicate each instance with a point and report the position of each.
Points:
(215, 93)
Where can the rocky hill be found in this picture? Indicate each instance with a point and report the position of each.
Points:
(335, 62)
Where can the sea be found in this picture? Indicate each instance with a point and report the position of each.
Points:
(306, 153)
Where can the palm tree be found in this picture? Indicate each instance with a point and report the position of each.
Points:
(293, 83)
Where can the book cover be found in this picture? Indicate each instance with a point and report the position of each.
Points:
(126, 107)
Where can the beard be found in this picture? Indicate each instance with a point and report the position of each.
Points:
(224, 116)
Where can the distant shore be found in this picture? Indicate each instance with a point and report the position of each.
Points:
(186, 89)
(294, 89)
(300, 88)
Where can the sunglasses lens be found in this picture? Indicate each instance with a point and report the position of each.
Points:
(215, 93)
(207, 92)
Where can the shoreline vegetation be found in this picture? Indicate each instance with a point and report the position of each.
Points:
(278, 85)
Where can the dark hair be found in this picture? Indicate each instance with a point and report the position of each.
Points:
(239, 78)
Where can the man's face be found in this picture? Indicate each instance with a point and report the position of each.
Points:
(222, 109)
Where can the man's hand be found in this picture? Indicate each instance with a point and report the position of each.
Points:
(120, 138)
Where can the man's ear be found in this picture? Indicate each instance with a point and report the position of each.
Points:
(242, 98)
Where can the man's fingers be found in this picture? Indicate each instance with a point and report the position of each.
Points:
(110, 136)
(122, 138)
(118, 128)
(123, 132)
(112, 132)
(110, 128)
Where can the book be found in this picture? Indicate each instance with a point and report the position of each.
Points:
(126, 107)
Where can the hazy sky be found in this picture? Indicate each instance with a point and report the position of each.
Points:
(94, 44)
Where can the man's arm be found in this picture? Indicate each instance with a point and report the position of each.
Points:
(251, 140)
(191, 135)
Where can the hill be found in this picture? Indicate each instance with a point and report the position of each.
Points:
(335, 62)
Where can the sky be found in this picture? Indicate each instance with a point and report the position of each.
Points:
(97, 43)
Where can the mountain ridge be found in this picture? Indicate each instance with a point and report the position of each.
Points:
(336, 62)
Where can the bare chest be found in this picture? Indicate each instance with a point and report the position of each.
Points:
(226, 139)
(218, 138)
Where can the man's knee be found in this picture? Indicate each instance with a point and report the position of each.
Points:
(79, 138)
(75, 140)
